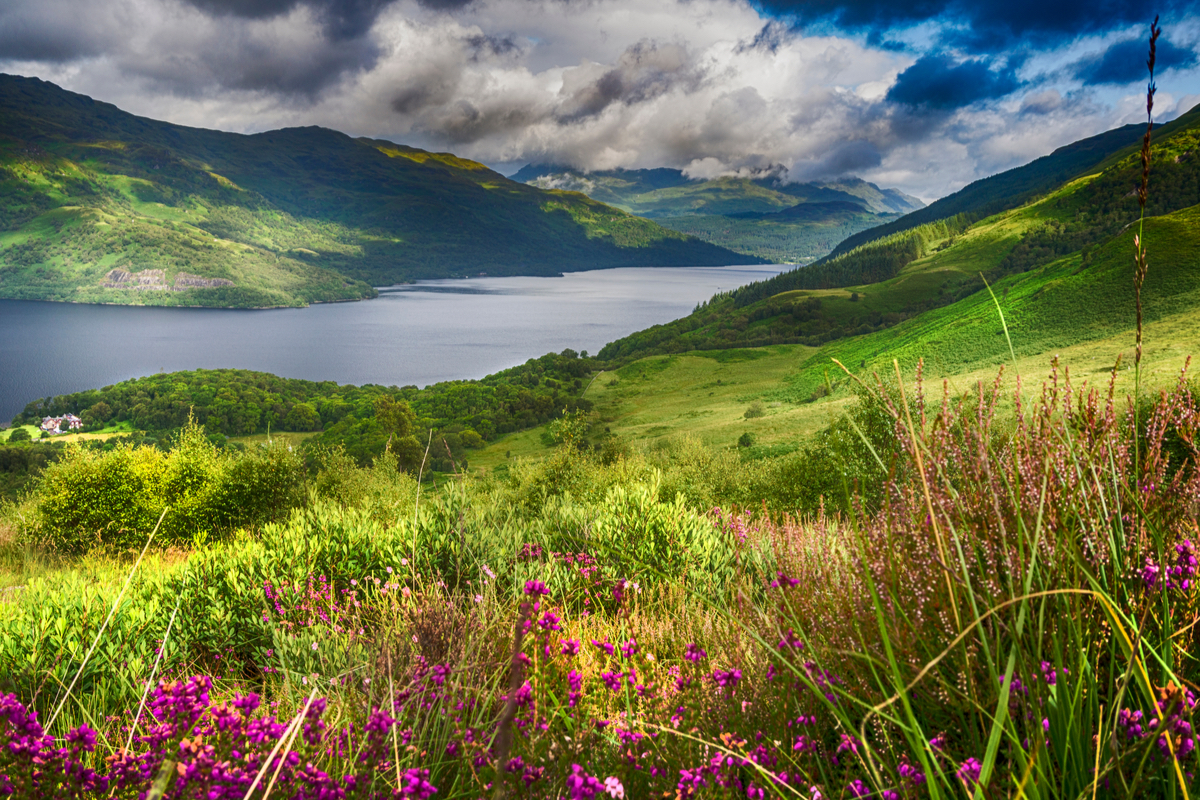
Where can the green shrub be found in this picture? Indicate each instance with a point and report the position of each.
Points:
(114, 498)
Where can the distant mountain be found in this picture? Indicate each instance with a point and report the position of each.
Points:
(755, 216)
(99, 205)
(656, 193)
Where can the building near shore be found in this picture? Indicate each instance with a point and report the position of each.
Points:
(56, 424)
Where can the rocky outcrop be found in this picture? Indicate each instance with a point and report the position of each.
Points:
(149, 280)
(184, 280)
(144, 281)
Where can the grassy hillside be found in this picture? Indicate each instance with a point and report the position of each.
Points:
(1010, 189)
(879, 285)
(97, 205)
(762, 217)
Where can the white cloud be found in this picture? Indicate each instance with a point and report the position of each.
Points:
(712, 86)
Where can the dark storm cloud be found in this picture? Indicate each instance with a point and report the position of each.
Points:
(644, 71)
(940, 82)
(445, 5)
(987, 25)
(49, 32)
(278, 71)
(425, 90)
(246, 9)
(464, 121)
(1125, 62)
(40, 44)
(342, 19)
(257, 45)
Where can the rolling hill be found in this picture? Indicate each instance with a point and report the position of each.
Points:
(1060, 263)
(98, 205)
(754, 216)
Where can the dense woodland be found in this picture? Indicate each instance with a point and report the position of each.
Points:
(231, 402)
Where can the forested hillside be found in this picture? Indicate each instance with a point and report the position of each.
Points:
(97, 205)
(240, 402)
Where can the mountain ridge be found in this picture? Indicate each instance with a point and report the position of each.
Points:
(756, 216)
(283, 217)
(642, 191)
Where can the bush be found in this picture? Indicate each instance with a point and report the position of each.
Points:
(19, 435)
(755, 410)
(114, 498)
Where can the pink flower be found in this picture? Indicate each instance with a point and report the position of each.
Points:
(613, 787)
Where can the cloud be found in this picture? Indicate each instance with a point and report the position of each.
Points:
(983, 26)
(717, 87)
(342, 19)
(282, 46)
(1124, 62)
(940, 82)
(1045, 102)
(643, 72)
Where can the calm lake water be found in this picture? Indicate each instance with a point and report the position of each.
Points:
(417, 334)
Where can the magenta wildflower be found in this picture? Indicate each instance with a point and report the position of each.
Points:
(416, 784)
(969, 772)
(727, 678)
(575, 681)
(783, 580)
(605, 646)
(536, 589)
(1131, 723)
(570, 647)
(790, 639)
(694, 653)
(581, 786)
(910, 773)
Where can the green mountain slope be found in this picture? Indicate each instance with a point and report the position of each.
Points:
(1069, 245)
(98, 205)
(1010, 189)
(751, 216)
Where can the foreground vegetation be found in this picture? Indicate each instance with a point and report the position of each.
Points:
(1004, 608)
(981, 592)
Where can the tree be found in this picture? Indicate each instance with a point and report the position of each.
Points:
(19, 435)
(95, 416)
(302, 417)
(395, 417)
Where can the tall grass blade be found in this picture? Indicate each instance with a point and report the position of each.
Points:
(112, 611)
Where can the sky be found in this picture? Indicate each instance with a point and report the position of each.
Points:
(924, 95)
